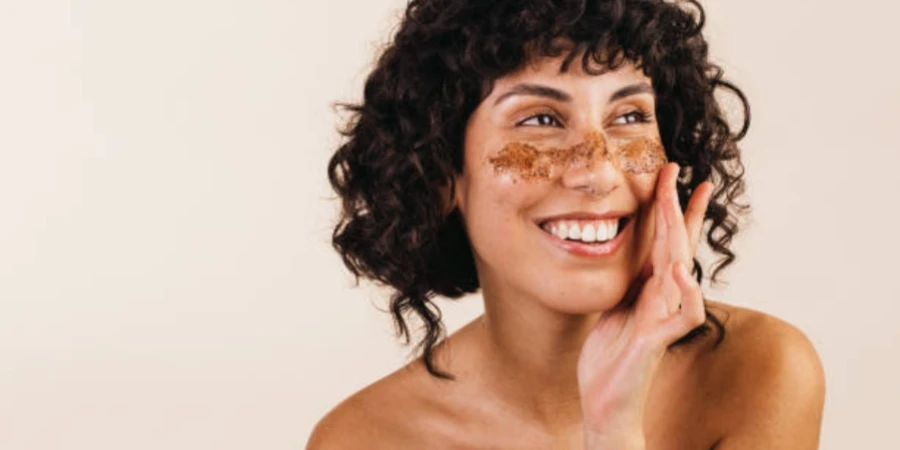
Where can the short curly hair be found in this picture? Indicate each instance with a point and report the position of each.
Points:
(403, 144)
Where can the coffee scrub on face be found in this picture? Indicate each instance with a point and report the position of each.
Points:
(525, 161)
(640, 155)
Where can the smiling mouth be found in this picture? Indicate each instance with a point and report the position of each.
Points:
(593, 231)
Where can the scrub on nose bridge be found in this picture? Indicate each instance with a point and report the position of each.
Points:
(527, 162)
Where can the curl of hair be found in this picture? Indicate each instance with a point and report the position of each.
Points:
(403, 144)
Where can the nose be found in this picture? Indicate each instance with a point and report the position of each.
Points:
(596, 174)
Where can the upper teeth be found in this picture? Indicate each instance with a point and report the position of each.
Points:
(584, 230)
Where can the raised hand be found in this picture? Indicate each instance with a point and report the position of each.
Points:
(622, 352)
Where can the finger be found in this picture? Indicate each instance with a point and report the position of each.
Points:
(668, 177)
(633, 291)
(695, 213)
(671, 292)
(667, 222)
(659, 254)
(651, 299)
(692, 312)
(677, 233)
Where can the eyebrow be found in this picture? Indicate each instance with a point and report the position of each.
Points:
(540, 90)
(632, 89)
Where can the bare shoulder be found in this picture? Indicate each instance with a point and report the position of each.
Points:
(766, 372)
(372, 418)
(759, 344)
(408, 408)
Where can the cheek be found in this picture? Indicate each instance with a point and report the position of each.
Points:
(502, 197)
(497, 211)
(639, 156)
(643, 186)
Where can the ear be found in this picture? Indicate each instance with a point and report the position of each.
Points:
(451, 194)
(448, 199)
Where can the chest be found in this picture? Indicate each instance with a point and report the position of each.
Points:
(675, 421)
(680, 415)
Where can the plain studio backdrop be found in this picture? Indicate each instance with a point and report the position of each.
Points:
(166, 276)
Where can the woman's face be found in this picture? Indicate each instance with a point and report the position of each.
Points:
(549, 153)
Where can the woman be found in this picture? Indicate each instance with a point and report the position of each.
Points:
(541, 151)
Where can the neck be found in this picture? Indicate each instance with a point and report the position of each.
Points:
(530, 358)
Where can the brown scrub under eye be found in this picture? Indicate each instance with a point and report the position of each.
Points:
(641, 155)
(637, 156)
(529, 163)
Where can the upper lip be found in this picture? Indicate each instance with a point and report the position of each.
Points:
(584, 215)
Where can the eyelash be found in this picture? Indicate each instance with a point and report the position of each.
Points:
(642, 117)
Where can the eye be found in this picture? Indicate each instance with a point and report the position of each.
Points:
(636, 116)
(542, 119)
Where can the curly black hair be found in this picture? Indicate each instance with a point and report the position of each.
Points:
(403, 144)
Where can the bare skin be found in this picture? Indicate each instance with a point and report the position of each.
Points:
(702, 398)
(519, 382)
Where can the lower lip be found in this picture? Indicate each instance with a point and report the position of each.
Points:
(591, 250)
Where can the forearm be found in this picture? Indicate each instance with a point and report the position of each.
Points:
(614, 410)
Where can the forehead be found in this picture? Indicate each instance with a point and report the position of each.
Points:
(548, 70)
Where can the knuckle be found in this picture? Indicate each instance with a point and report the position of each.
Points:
(697, 316)
(699, 319)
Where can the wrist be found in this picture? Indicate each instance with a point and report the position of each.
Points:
(616, 428)
(620, 440)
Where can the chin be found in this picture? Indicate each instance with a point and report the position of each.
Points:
(584, 296)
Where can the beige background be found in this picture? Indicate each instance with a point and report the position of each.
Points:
(165, 274)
